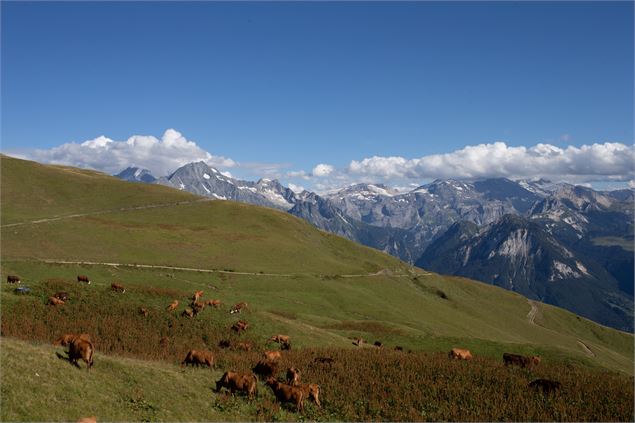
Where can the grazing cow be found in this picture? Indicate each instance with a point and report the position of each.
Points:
(55, 301)
(286, 393)
(358, 341)
(312, 392)
(117, 287)
(214, 303)
(398, 348)
(293, 376)
(143, 311)
(238, 308)
(225, 343)
(377, 344)
(66, 339)
(244, 346)
(197, 296)
(279, 338)
(83, 278)
(173, 305)
(62, 296)
(265, 368)
(90, 419)
(13, 279)
(547, 386)
(238, 382)
(460, 354)
(188, 312)
(240, 326)
(324, 360)
(198, 358)
(81, 348)
(272, 355)
(197, 306)
(520, 360)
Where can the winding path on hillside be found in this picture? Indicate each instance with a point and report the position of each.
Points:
(383, 272)
(531, 317)
(93, 213)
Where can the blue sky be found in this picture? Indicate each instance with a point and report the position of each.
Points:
(275, 89)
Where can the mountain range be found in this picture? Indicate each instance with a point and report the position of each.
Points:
(566, 245)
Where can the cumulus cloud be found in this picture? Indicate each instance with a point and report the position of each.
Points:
(322, 170)
(296, 188)
(608, 161)
(160, 156)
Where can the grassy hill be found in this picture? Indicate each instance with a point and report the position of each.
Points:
(316, 287)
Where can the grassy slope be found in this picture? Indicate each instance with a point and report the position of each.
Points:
(368, 385)
(39, 387)
(31, 190)
(312, 307)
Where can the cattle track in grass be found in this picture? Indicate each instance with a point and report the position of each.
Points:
(98, 212)
(231, 272)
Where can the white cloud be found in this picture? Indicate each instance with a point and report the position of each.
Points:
(608, 161)
(296, 188)
(322, 170)
(160, 156)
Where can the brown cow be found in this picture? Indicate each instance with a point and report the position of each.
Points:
(197, 306)
(143, 311)
(286, 393)
(324, 360)
(188, 312)
(293, 376)
(244, 346)
(117, 287)
(547, 386)
(272, 355)
(13, 279)
(81, 347)
(214, 303)
(55, 301)
(62, 296)
(173, 305)
(460, 354)
(197, 296)
(238, 382)
(83, 278)
(265, 368)
(311, 391)
(520, 360)
(66, 339)
(90, 419)
(240, 326)
(198, 358)
(358, 341)
(238, 308)
(279, 338)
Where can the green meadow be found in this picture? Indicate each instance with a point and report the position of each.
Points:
(318, 288)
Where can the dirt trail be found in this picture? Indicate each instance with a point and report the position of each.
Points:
(194, 269)
(122, 209)
(531, 316)
(586, 349)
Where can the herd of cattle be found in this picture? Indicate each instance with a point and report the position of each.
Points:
(291, 390)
